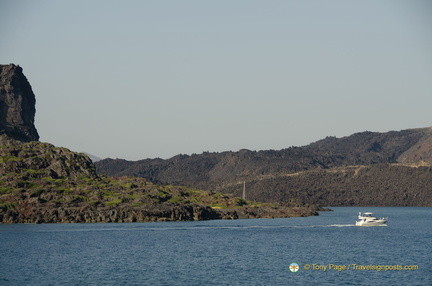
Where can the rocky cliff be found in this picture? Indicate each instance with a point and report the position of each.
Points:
(17, 104)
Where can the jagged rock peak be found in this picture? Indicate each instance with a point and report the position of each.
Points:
(17, 104)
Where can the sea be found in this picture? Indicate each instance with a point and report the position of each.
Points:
(320, 250)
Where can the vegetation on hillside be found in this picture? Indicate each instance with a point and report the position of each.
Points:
(43, 183)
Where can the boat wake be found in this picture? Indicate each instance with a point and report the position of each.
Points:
(340, 225)
(244, 227)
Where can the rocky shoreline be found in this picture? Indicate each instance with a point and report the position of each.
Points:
(88, 214)
(41, 183)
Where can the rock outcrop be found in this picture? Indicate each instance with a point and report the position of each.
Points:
(17, 105)
(43, 158)
(30, 213)
(41, 183)
(27, 213)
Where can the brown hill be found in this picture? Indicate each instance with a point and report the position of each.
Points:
(421, 151)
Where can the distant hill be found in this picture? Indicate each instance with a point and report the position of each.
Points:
(269, 174)
(93, 157)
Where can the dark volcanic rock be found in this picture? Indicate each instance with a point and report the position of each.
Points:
(272, 176)
(41, 183)
(26, 212)
(373, 185)
(209, 169)
(54, 162)
(17, 104)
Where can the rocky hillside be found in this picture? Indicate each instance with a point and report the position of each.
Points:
(17, 104)
(227, 170)
(42, 183)
(373, 185)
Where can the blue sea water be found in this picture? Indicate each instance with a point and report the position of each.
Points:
(222, 252)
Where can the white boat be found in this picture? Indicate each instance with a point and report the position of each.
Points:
(367, 219)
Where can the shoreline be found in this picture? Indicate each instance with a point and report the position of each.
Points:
(125, 214)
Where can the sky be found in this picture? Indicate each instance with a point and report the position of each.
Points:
(146, 79)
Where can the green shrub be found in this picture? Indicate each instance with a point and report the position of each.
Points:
(95, 203)
(7, 206)
(110, 194)
(133, 196)
(25, 184)
(36, 193)
(240, 202)
(35, 173)
(178, 200)
(138, 204)
(164, 196)
(78, 199)
(113, 203)
(10, 158)
(217, 206)
(63, 191)
(6, 190)
(197, 200)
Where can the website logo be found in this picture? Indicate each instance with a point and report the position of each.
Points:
(294, 267)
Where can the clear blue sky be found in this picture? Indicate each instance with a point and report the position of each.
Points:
(145, 79)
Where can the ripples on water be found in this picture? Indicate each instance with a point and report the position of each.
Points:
(239, 252)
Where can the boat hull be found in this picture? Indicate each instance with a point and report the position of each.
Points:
(379, 222)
